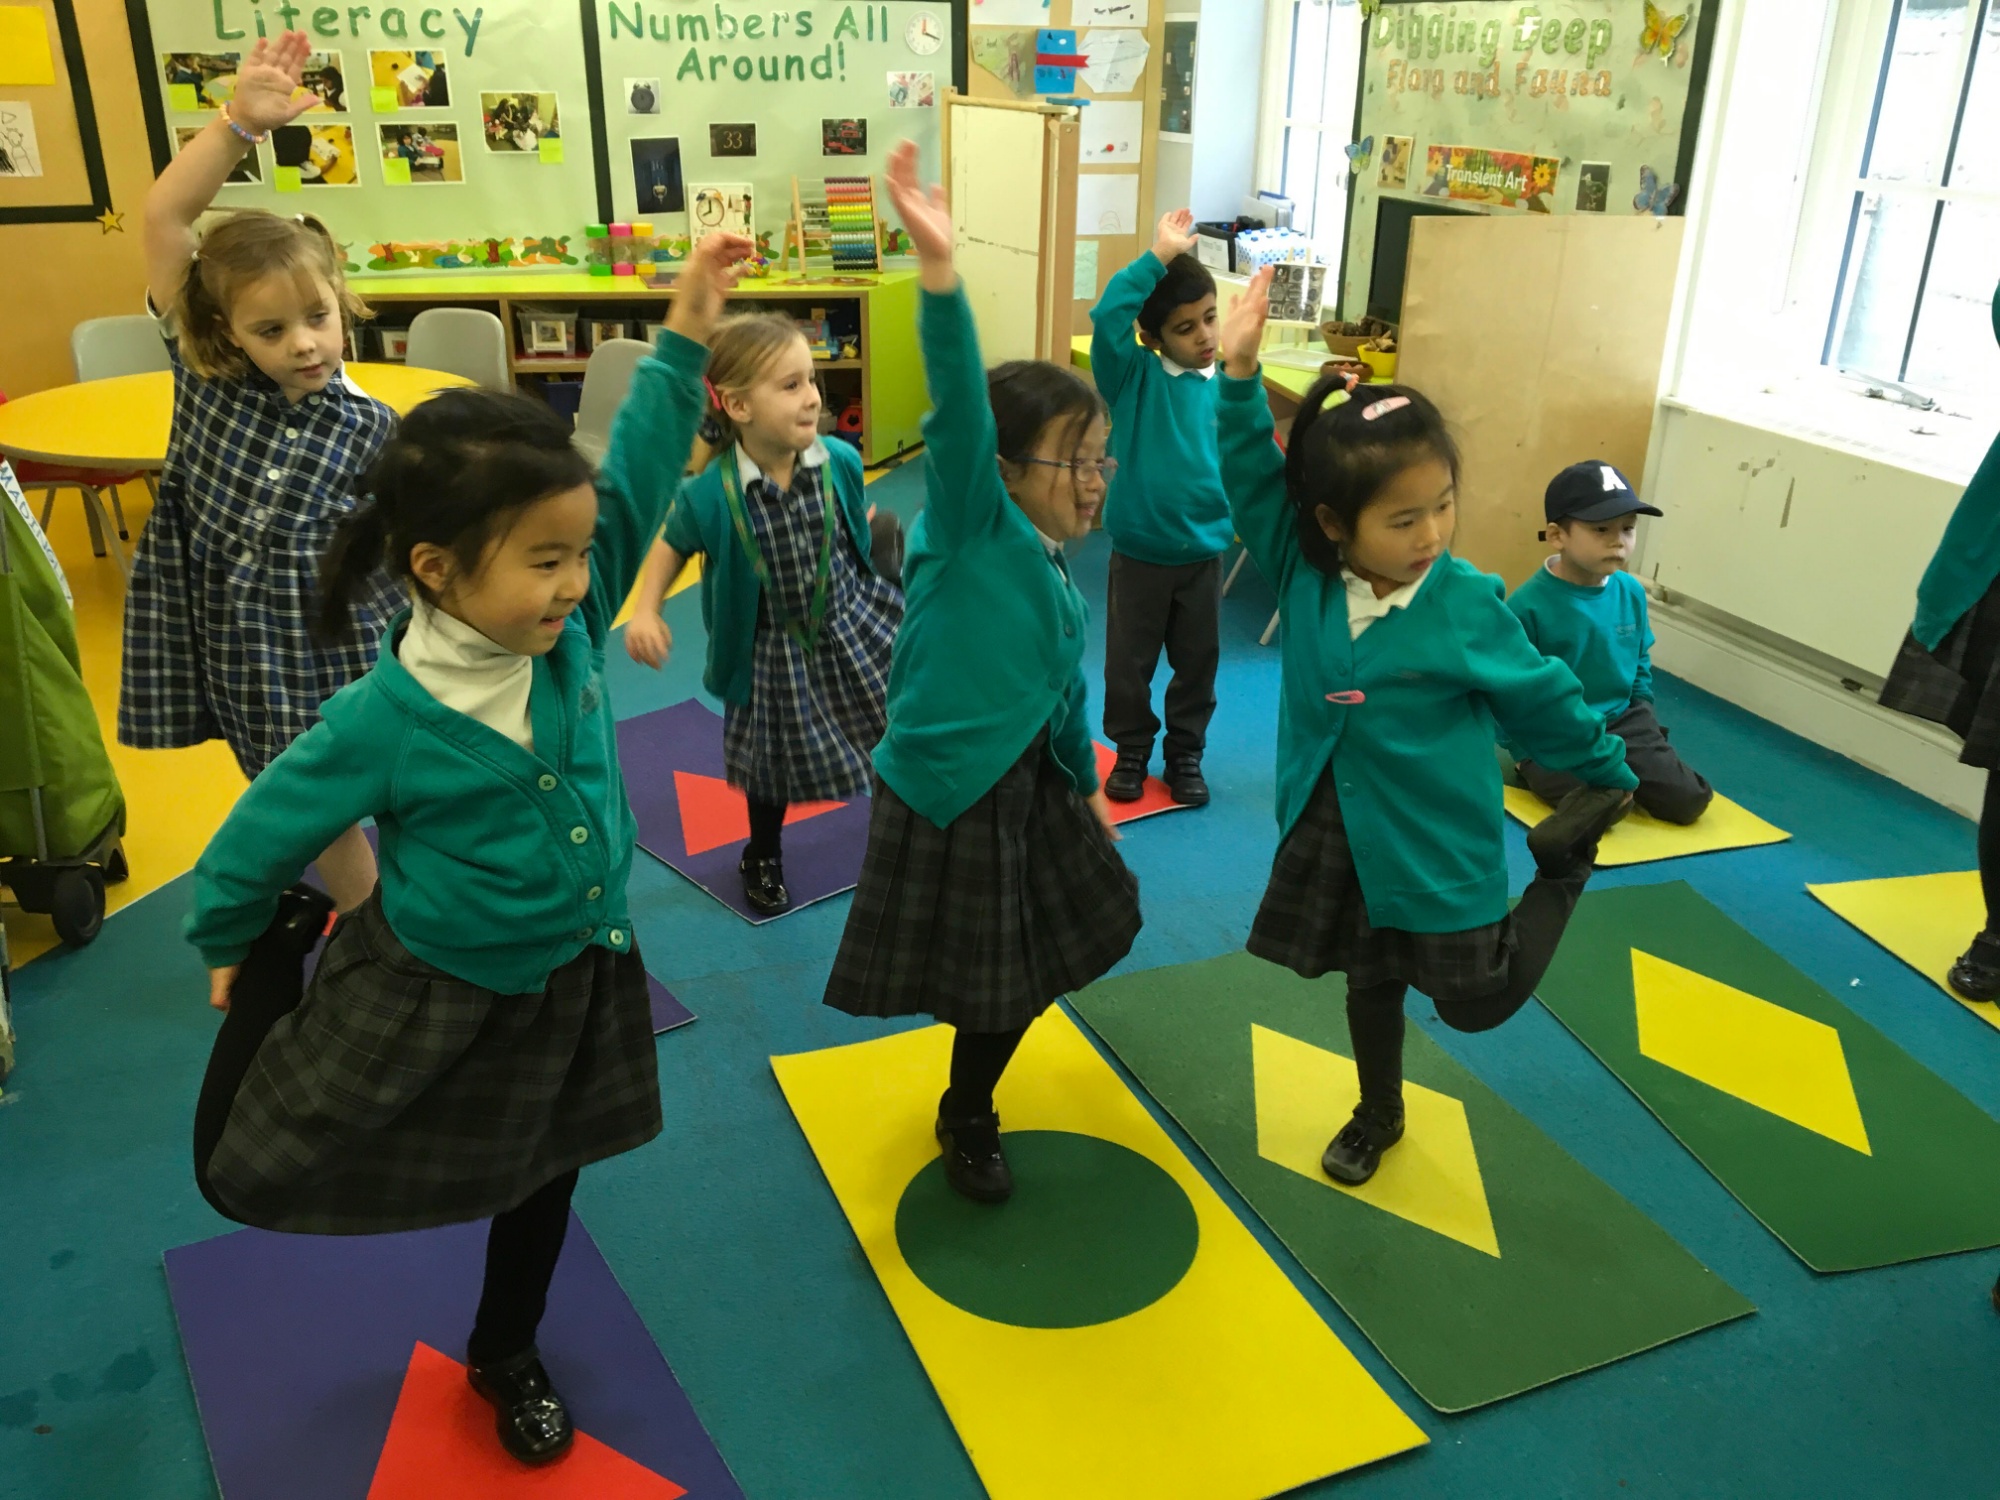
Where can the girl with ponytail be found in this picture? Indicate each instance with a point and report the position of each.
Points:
(268, 437)
(1398, 660)
(479, 1028)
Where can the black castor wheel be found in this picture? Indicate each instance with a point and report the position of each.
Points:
(76, 904)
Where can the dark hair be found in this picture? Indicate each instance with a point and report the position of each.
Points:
(462, 464)
(1341, 458)
(1187, 280)
(1027, 395)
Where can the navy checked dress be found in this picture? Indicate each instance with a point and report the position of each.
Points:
(225, 579)
(811, 725)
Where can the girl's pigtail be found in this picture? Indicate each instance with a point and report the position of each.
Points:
(351, 560)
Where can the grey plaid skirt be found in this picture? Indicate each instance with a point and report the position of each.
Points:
(1954, 685)
(397, 1097)
(984, 922)
(1314, 921)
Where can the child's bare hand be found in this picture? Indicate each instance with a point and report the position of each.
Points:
(1175, 235)
(648, 641)
(924, 211)
(1100, 805)
(269, 82)
(705, 282)
(1243, 329)
(220, 981)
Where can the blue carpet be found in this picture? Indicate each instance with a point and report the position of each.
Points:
(730, 1244)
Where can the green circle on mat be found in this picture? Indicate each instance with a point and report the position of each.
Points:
(1093, 1232)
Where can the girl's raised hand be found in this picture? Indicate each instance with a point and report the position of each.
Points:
(269, 82)
(1243, 329)
(925, 214)
(704, 285)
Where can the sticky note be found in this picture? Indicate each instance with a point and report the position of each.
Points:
(551, 149)
(24, 46)
(396, 170)
(382, 101)
(285, 179)
(182, 96)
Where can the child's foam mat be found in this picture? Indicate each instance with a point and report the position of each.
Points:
(1925, 920)
(1155, 799)
(693, 821)
(1849, 1150)
(668, 1012)
(325, 1368)
(1639, 838)
(1550, 1271)
(1112, 1330)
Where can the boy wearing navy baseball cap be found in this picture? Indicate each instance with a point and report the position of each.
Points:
(1585, 610)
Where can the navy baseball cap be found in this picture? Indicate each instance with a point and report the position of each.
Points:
(1593, 491)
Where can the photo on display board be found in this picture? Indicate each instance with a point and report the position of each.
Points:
(20, 153)
(519, 121)
(912, 90)
(718, 206)
(642, 96)
(323, 76)
(843, 137)
(416, 79)
(419, 153)
(199, 80)
(323, 154)
(656, 175)
(1593, 187)
(1396, 150)
(732, 140)
(249, 169)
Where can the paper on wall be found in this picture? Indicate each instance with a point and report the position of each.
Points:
(1010, 13)
(1117, 59)
(20, 153)
(1110, 131)
(1107, 13)
(1107, 203)
(1085, 275)
(24, 46)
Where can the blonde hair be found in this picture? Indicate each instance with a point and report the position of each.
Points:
(241, 247)
(742, 349)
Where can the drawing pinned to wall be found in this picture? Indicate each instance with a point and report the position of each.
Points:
(1593, 187)
(1107, 203)
(323, 77)
(732, 140)
(249, 169)
(642, 96)
(407, 80)
(843, 137)
(1111, 131)
(1010, 12)
(519, 120)
(721, 207)
(1056, 61)
(1083, 276)
(25, 58)
(321, 155)
(1107, 12)
(1117, 59)
(912, 90)
(656, 175)
(1177, 50)
(418, 153)
(199, 80)
(1396, 151)
(20, 153)
(1009, 56)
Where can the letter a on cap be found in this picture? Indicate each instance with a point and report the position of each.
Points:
(1611, 479)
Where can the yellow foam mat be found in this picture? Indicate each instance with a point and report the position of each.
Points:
(1225, 1386)
(1640, 838)
(1925, 920)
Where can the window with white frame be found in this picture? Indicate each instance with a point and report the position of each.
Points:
(1313, 61)
(1922, 250)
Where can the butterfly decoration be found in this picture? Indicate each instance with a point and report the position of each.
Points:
(1360, 153)
(1369, 7)
(1662, 33)
(1655, 197)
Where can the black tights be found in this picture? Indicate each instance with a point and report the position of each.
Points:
(978, 1058)
(522, 1248)
(767, 829)
(1989, 852)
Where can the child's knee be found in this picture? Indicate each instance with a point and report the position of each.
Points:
(1680, 805)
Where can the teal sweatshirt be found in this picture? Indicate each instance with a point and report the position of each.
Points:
(1167, 504)
(498, 865)
(1599, 633)
(1410, 741)
(699, 522)
(1968, 558)
(991, 648)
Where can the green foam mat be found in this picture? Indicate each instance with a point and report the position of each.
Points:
(1483, 1260)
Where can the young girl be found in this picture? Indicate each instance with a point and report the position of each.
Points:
(1398, 658)
(268, 438)
(479, 1029)
(800, 620)
(990, 885)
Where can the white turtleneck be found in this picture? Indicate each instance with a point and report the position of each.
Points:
(466, 672)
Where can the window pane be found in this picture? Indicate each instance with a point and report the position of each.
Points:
(1303, 146)
(1920, 96)
(1329, 212)
(1889, 242)
(1308, 82)
(1955, 351)
(1979, 137)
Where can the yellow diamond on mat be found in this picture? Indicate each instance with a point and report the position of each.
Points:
(1763, 1054)
(1304, 1096)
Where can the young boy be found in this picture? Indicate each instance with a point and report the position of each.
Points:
(1166, 514)
(1584, 609)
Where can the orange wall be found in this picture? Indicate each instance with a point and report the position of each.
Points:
(59, 274)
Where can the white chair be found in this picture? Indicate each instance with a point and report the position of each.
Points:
(606, 379)
(462, 341)
(103, 347)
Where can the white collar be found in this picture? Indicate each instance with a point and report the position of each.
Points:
(1048, 542)
(1206, 372)
(749, 473)
(1363, 603)
(1550, 564)
(468, 672)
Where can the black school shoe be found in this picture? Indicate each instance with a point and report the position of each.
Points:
(1566, 840)
(1127, 781)
(533, 1423)
(1184, 781)
(974, 1164)
(764, 885)
(1353, 1155)
(1976, 975)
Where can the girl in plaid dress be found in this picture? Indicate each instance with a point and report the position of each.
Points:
(1398, 660)
(990, 884)
(268, 437)
(479, 1029)
(801, 592)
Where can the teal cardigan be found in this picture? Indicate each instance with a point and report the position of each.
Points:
(1599, 631)
(991, 648)
(498, 865)
(699, 523)
(1411, 750)
(1968, 558)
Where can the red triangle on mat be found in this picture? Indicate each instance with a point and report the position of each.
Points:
(441, 1446)
(714, 813)
(1155, 799)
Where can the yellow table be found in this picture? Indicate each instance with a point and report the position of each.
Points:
(121, 423)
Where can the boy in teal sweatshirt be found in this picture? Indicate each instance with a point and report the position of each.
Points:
(1585, 610)
(1166, 515)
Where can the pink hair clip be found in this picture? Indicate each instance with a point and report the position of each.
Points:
(1349, 698)
(1383, 407)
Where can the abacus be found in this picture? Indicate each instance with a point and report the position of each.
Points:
(841, 222)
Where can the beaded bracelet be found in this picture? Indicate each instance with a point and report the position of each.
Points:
(237, 130)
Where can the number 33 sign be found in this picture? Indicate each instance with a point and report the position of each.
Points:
(732, 140)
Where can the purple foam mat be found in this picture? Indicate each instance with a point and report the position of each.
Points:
(822, 854)
(667, 1011)
(297, 1346)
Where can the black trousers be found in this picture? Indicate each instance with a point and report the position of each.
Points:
(1668, 789)
(1148, 607)
(523, 1244)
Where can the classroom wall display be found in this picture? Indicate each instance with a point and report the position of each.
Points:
(732, 140)
(519, 120)
(414, 79)
(249, 169)
(420, 153)
(656, 176)
(20, 152)
(1177, 79)
(843, 137)
(1009, 55)
(642, 96)
(1521, 108)
(722, 207)
(1111, 132)
(52, 166)
(314, 156)
(326, 80)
